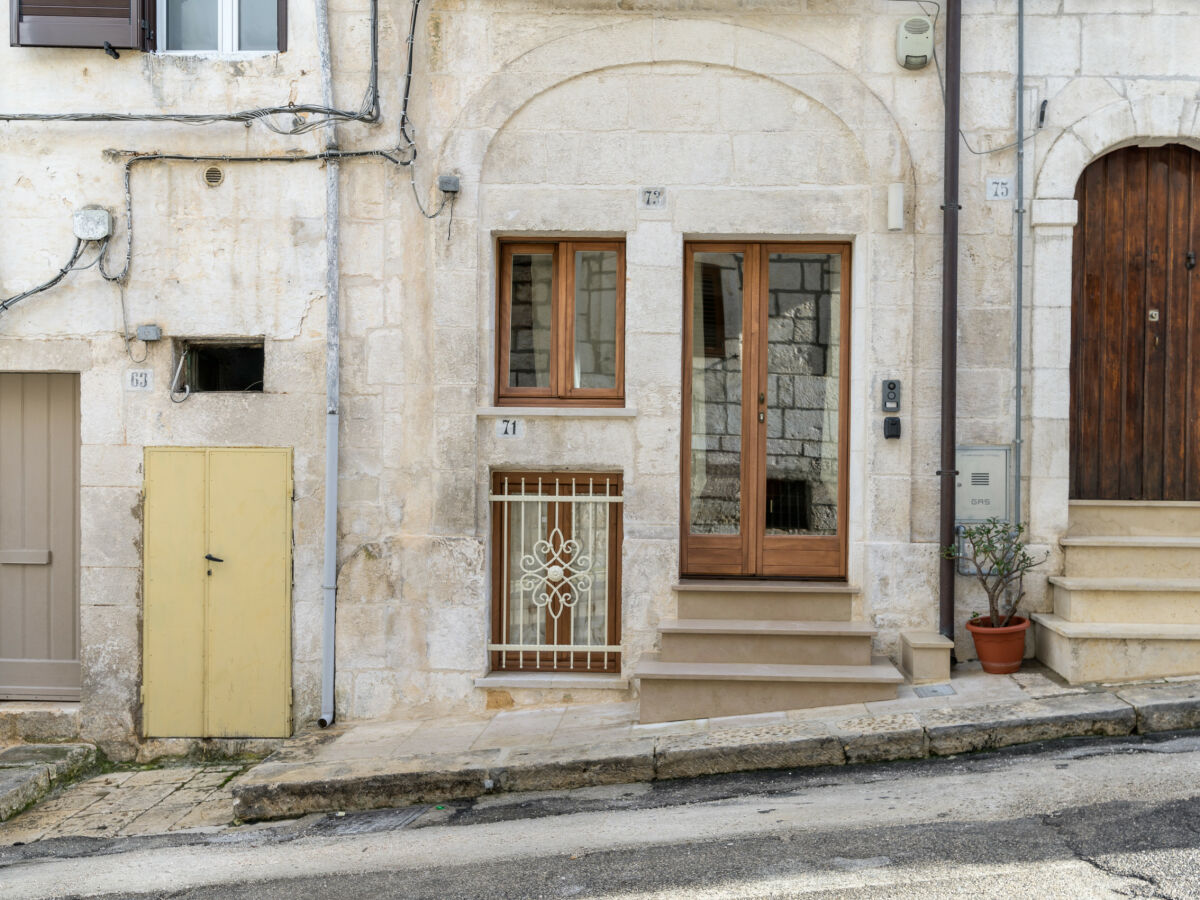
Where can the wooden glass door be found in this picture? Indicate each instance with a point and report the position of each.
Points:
(766, 368)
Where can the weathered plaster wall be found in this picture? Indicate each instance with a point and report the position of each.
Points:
(761, 118)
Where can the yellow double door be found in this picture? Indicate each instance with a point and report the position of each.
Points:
(217, 599)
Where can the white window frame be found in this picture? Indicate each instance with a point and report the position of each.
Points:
(227, 32)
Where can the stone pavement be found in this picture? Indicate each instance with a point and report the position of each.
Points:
(375, 764)
(123, 803)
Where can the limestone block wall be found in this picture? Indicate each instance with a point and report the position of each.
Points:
(761, 119)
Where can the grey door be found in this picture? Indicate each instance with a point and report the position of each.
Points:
(39, 536)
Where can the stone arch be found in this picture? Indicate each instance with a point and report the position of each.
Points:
(803, 69)
(1158, 119)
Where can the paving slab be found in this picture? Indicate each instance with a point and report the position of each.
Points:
(28, 771)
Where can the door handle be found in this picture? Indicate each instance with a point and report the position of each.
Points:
(212, 558)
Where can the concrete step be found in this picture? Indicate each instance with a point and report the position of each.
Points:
(676, 690)
(1170, 601)
(801, 601)
(1124, 556)
(1134, 517)
(766, 641)
(1115, 651)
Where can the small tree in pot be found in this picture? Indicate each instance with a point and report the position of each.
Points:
(998, 557)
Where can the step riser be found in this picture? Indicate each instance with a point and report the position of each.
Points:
(664, 700)
(1143, 607)
(781, 605)
(802, 650)
(1083, 660)
(1132, 562)
(1119, 520)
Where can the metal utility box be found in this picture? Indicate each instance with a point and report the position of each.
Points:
(982, 487)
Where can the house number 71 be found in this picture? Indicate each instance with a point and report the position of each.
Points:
(510, 428)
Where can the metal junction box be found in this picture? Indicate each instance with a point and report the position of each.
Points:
(982, 486)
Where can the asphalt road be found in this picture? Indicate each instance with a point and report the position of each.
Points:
(1081, 819)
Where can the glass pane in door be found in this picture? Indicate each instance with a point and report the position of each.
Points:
(803, 363)
(716, 353)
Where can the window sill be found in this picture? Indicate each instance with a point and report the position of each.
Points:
(552, 681)
(569, 412)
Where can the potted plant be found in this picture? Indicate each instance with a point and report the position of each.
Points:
(996, 554)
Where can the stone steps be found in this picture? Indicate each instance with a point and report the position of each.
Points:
(1132, 556)
(766, 641)
(1163, 600)
(808, 601)
(742, 647)
(1128, 605)
(1116, 651)
(696, 690)
(1133, 518)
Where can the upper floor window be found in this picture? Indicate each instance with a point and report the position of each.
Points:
(222, 26)
(561, 323)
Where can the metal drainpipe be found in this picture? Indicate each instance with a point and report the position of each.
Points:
(332, 383)
(949, 312)
(1020, 283)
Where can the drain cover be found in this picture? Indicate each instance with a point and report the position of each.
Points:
(375, 820)
(934, 690)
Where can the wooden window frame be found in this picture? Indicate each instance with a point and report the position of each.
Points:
(572, 658)
(561, 391)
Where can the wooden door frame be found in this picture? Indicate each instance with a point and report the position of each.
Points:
(829, 559)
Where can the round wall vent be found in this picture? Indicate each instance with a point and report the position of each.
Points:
(213, 176)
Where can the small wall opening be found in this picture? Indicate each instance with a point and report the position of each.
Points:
(223, 366)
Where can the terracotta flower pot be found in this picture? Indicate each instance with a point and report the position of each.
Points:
(999, 649)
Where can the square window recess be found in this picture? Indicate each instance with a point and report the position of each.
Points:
(223, 366)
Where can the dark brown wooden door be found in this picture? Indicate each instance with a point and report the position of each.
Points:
(1135, 328)
(765, 375)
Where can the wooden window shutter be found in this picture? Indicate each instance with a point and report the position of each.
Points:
(124, 24)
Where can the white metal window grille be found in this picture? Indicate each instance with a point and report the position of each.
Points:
(556, 572)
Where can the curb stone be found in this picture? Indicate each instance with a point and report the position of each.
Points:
(746, 749)
(961, 730)
(1164, 707)
(29, 771)
(284, 786)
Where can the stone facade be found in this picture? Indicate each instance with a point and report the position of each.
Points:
(760, 119)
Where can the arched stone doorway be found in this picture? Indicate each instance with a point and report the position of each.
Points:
(1135, 327)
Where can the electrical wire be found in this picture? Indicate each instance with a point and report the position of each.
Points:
(367, 111)
(135, 157)
(76, 252)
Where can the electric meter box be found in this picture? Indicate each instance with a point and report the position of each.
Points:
(982, 484)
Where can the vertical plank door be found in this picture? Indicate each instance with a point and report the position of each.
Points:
(39, 536)
(217, 631)
(1135, 335)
